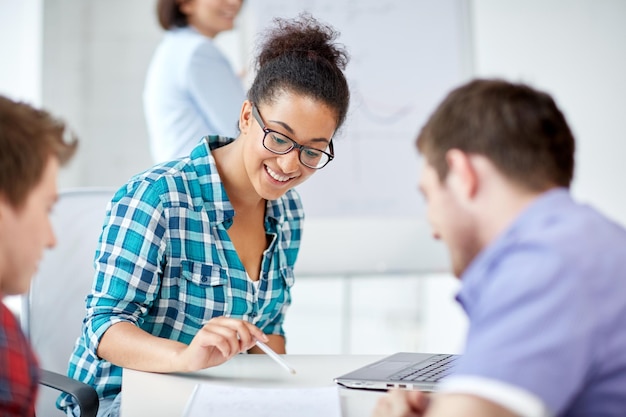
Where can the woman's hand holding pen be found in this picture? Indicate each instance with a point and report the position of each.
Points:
(220, 339)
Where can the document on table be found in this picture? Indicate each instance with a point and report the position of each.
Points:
(228, 401)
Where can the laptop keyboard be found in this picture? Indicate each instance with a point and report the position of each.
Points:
(440, 366)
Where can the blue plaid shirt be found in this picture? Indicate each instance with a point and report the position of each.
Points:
(166, 264)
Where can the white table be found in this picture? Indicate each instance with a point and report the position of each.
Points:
(165, 395)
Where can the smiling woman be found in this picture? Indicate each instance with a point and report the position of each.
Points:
(196, 257)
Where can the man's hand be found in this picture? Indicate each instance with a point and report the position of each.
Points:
(400, 403)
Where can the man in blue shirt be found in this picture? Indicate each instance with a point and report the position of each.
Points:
(543, 277)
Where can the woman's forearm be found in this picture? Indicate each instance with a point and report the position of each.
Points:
(126, 345)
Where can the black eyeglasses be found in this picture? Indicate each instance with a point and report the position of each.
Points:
(281, 144)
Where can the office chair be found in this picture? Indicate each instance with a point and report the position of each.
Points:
(53, 310)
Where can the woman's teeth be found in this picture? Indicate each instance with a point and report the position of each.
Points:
(281, 178)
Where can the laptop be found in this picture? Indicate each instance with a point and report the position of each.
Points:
(408, 370)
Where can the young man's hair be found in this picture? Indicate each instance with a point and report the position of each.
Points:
(28, 138)
(519, 129)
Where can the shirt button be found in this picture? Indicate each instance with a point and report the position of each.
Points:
(204, 279)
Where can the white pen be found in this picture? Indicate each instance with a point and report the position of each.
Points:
(265, 348)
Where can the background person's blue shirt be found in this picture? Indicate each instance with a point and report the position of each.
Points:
(190, 91)
(166, 264)
(547, 309)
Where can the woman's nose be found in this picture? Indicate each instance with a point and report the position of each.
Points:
(290, 161)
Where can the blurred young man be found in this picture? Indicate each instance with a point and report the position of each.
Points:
(543, 277)
(31, 150)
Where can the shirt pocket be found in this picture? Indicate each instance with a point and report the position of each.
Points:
(204, 275)
(203, 292)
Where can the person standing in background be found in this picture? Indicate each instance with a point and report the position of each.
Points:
(191, 89)
(31, 150)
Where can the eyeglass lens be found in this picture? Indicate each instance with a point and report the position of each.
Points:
(281, 144)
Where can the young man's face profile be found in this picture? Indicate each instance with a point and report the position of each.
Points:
(448, 220)
(26, 232)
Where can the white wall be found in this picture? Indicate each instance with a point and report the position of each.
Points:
(95, 55)
(20, 49)
(576, 50)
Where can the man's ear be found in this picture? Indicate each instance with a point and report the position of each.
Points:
(462, 174)
(245, 117)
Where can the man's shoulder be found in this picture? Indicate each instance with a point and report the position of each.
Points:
(556, 225)
(11, 335)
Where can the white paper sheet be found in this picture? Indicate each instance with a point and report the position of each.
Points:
(228, 401)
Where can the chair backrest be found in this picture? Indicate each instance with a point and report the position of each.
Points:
(53, 312)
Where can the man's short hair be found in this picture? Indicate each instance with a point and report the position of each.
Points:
(519, 129)
(28, 138)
